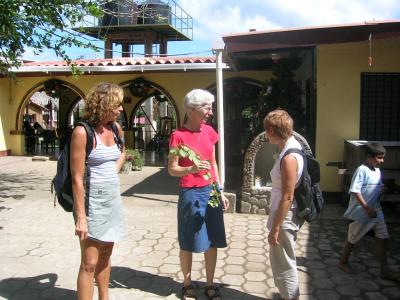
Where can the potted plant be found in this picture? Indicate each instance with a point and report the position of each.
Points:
(127, 166)
(137, 160)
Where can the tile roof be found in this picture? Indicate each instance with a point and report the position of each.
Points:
(125, 61)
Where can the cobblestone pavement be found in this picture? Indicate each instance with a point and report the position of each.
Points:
(40, 254)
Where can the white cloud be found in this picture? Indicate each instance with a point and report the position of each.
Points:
(215, 18)
(313, 12)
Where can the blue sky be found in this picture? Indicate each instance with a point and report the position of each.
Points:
(215, 18)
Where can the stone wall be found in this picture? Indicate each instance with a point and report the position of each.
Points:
(255, 200)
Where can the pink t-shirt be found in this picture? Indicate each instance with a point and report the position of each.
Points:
(202, 142)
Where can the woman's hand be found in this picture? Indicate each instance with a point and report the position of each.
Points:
(224, 202)
(273, 237)
(202, 165)
(81, 228)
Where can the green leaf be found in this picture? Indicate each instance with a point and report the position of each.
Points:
(196, 160)
(182, 153)
(207, 176)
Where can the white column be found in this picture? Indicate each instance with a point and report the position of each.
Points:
(220, 110)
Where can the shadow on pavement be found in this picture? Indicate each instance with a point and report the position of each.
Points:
(160, 183)
(122, 277)
(37, 287)
(15, 185)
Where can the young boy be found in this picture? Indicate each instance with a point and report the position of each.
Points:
(365, 209)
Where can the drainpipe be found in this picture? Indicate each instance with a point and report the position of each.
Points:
(220, 110)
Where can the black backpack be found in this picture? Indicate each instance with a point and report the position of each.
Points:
(62, 182)
(308, 194)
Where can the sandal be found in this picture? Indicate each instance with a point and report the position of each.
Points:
(188, 292)
(212, 295)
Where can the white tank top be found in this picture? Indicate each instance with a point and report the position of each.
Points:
(276, 191)
(102, 163)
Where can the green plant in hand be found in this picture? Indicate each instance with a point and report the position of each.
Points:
(184, 151)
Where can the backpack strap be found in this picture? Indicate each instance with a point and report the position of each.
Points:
(118, 140)
(90, 135)
(294, 150)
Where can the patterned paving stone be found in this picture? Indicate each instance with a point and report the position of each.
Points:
(348, 290)
(234, 270)
(323, 283)
(235, 260)
(146, 264)
(256, 267)
(237, 245)
(326, 295)
(236, 252)
(255, 287)
(306, 289)
(392, 292)
(367, 285)
(253, 243)
(255, 276)
(374, 296)
(256, 258)
(235, 280)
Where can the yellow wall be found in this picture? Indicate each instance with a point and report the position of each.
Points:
(176, 84)
(8, 108)
(4, 106)
(339, 70)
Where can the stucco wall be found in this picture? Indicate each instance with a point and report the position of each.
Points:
(176, 84)
(4, 107)
(339, 70)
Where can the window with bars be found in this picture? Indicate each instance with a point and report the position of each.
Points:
(380, 106)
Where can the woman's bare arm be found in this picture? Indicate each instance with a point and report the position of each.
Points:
(121, 160)
(77, 165)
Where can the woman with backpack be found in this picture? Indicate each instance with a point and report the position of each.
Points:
(97, 204)
(283, 222)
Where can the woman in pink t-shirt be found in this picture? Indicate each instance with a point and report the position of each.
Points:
(200, 226)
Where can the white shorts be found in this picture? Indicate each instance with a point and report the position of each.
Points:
(357, 230)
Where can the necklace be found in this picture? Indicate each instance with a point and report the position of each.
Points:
(198, 136)
(197, 133)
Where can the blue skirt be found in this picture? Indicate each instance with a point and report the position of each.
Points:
(200, 226)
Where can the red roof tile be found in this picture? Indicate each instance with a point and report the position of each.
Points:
(126, 61)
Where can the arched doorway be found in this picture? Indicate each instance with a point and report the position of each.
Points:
(152, 120)
(240, 102)
(42, 115)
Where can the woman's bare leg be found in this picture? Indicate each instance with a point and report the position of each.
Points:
(103, 270)
(186, 266)
(89, 259)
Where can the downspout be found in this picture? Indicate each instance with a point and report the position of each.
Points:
(220, 110)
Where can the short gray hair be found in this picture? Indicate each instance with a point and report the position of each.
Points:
(198, 98)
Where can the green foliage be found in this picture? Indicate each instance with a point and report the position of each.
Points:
(41, 24)
(135, 157)
(185, 151)
(283, 91)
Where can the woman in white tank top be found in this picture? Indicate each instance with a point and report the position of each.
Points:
(283, 222)
(97, 199)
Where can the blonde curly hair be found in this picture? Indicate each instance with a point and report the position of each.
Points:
(100, 100)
